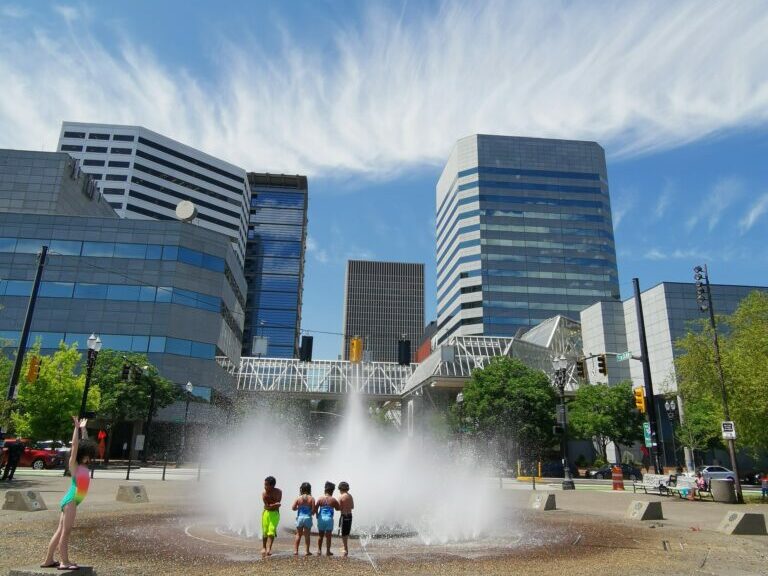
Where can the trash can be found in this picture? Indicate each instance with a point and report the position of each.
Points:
(723, 491)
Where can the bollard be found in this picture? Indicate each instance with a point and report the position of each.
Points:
(93, 467)
(128, 472)
(533, 480)
(165, 463)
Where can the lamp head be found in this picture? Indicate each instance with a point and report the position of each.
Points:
(189, 387)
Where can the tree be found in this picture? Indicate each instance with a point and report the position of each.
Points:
(700, 425)
(744, 357)
(605, 414)
(44, 407)
(509, 400)
(6, 365)
(128, 400)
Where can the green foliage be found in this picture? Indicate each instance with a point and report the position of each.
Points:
(508, 399)
(605, 414)
(744, 352)
(44, 408)
(6, 365)
(126, 401)
(700, 428)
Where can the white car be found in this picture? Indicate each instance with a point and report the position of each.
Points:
(716, 473)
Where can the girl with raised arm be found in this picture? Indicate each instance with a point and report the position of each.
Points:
(79, 458)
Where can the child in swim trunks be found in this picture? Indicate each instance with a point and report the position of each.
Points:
(346, 504)
(80, 457)
(270, 518)
(324, 507)
(304, 506)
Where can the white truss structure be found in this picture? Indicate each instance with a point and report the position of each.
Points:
(322, 377)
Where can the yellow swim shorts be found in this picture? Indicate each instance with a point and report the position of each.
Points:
(269, 521)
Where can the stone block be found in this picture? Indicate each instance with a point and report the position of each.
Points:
(37, 571)
(132, 494)
(749, 523)
(642, 510)
(543, 501)
(24, 501)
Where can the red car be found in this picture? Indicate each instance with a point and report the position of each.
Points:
(36, 458)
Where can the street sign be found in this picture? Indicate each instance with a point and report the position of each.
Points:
(729, 430)
(623, 356)
(647, 434)
(139, 443)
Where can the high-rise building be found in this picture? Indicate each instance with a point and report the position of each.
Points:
(144, 175)
(274, 263)
(383, 302)
(524, 233)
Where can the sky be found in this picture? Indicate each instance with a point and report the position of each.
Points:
(367, 98)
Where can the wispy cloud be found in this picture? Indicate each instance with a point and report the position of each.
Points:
(395, 91)
(711, 207)
(677, 254)
(319, 254)
(622, 203)
(755, 212)
(11, 11)
(665, 198)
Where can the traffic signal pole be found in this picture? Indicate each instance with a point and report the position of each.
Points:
(649, 398)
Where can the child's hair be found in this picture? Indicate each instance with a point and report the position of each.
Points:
(329, 488)
(270, 480)
(343, 486)
(305, 488)
(85, 448)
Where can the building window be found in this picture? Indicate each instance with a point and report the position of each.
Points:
(119, 164)
(113, 191)
(121, 150)
(117, 177)
(74, 134)
(71, 148)
(93, 136)
(93, 162)
(95, 148)
(123, 137)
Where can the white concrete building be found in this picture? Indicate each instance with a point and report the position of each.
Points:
(143, 174)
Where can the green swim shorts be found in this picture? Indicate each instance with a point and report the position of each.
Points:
(269, 521)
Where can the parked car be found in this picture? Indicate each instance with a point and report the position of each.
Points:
(554, 469)
(36, 458)
(716, 473)
(628, 471)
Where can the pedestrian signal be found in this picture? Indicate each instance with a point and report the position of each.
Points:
(639, 399)
(581, 368)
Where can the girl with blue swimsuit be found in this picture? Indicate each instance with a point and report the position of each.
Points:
(304, 506)
(324, 508)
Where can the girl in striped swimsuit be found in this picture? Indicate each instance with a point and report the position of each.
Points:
(80, 457)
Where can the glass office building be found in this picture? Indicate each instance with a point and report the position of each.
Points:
(274, 263)
(524, 233)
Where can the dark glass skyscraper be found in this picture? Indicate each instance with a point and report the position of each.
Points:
(274, 262)
(524, 233)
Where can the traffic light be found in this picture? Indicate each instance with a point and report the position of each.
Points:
(639, 399)
(356, 349)
(601, 366)
(33, 371)
(126, 374)
(581, 368)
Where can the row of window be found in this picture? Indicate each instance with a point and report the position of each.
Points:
(111, 164)
(95, 149)
(180, 182)
(114, 250)
(95, 136)
(275, 232)
(122, 342)
(265, 199)
(171, 206)
(188, 172)
(119, 292)
(195, 161)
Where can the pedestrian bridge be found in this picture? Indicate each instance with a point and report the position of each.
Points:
(449, 366)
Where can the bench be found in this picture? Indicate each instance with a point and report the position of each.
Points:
(684, 485)
(653, 482)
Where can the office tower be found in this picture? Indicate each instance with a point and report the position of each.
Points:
(168, 289)
(524, 233)
(274, 264)
(383, 301)
(143, 175)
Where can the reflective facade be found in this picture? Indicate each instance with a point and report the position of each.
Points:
(274, 263)
(524, 233)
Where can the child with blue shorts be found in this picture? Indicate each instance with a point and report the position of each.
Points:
(324, 509)
(304, 506)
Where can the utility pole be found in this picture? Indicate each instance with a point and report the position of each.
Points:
(27, 325)
(649, 398)
(704, 298)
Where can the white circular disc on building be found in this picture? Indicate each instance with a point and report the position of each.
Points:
(186, 211)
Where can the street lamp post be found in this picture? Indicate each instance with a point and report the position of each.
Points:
(671, 407)
(560, 365)
(150, 412)
(94, 345)
(704, 299)
(189, 387)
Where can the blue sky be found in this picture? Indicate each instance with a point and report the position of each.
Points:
(367, 99)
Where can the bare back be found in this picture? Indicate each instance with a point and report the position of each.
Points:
(346, 503)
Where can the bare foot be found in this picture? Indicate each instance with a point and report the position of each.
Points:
(269, 553)
(329, 553)
(296, 553)
(345, 554)
(308, 553)
(263, 552)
